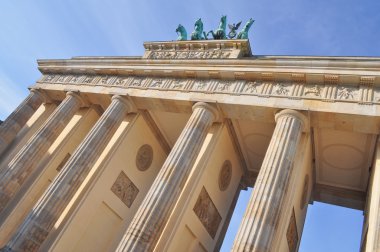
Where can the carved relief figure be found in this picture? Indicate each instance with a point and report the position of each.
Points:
(144, 157)
(178, 84)
(316, 90)
(251, 87)
(207, 213)
(61, 78)
(137, 82)
(225, 175)
(88, 79)
(124, 189)
(121, 81)
(282, 89)
(345, 93)
(49, 78)
(157, 83)
(224, 86)
(104, 80)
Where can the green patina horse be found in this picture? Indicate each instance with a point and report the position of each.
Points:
(243, 34)
(181, 31)
(198, 32)
(220, 33)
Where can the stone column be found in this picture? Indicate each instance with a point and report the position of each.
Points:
(371, 236)
(24, 163)
(260, 222)
(15, 121)
(40, 221)
(152, 215)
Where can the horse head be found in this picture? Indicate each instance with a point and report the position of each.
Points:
(250, 22)
(223, 22)
(199, 23)
(180, 28)
(181, 31)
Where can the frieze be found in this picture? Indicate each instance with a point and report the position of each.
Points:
(281, 89)
(314, 91)
(190, 54)
(266, 87)
(251, 87)
(347, 93)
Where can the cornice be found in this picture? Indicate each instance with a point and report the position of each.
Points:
(349, 71)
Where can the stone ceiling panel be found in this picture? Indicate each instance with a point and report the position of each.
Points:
(343, 158)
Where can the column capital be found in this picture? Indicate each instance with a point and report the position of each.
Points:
(295, 114)
(76, 94)
(210, 107)
(41, 93)
(126, 101)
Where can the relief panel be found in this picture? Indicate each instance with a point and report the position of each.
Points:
(207, 213)
(292, 234)
(124, 189)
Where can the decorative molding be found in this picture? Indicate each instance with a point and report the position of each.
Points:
(366, 89)
(265, 86)
(202, 54)
(202, 49)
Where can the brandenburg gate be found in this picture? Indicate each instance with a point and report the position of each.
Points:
(150, 153)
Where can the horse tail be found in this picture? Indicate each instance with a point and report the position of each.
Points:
(205, 35)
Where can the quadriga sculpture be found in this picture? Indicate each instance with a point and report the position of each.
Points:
(243, 34)
(198, 32)
(181, 31)
(220, 33)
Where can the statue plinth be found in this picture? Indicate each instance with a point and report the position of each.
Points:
(198, 49)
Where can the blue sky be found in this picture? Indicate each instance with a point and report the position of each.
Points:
(31, 30)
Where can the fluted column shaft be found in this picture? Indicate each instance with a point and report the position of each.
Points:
(36, 227)
(260, 221)
(371, 241)
(26, 160)
(18, 118)
(151, 217)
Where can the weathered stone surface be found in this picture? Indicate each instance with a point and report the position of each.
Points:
(24, 163)
(144, 157)
(225, 175)
(60, 192)
(15, 121)
(124, 189)
(207, 213)
(292, 234)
